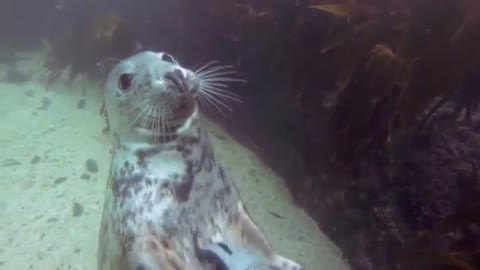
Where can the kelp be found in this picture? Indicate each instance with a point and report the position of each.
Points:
(457, 221)
(89, 47)
(373, 89)
(458, 260)
(435, 43)
(334, 9)
(462, 260)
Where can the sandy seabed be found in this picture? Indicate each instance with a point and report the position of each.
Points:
(50, 199)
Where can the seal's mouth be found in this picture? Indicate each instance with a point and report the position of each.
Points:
(165, 122)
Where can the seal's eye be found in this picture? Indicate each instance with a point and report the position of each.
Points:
(168, 58)
(125, 81)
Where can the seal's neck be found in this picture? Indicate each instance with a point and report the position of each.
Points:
(187, 152)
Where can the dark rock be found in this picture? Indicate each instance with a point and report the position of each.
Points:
(77, 209)
(10, 162)
(60, 180)
(36, 159)
(81, 104)
(91, 165)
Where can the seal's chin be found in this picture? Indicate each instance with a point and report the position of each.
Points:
(168, 125)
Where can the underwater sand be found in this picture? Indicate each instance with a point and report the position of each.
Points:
(54, 164)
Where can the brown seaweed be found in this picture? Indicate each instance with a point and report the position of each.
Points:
(107, 37)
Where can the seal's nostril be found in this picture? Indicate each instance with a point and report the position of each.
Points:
(177, 78)
(176, 73)
(179, 73)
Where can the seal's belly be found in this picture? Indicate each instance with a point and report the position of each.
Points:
(142, 207)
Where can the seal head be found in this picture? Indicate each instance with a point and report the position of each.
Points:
(150, 95)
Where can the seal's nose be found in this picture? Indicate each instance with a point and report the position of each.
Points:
(177, 79)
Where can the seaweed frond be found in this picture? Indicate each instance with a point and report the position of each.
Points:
(81, 53)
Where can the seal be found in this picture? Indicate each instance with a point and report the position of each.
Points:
(166, 191)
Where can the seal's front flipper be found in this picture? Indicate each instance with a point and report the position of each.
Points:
(149, 253)
(245, 233)
(230, 257)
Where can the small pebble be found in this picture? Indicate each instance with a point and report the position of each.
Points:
(27, 184)
(92, 166)
(77, 209)
(29, 93)
(85, 176)
(3, 207)
(81, 104)
(52, 220)
(59, 193)
(60, 180)
(10, 162)
(46, 103)
(36, 159)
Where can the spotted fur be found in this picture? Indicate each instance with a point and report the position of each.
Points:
(160, 194)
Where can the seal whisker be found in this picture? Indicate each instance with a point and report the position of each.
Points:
(212, 69)
(212, 103)
(203, 103)
(142, 112)
(168, 113)
(220, 89)
(136, 106)
(222, 79)
(201, 100)
(213, 88)
(156, 124)
(220, 93)
(215, 69)
(161, 121)
(207, 65)
(216, 74)
(146, 120)
(221, 97)
(216, 102)
(153, 119)
(219, 86)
